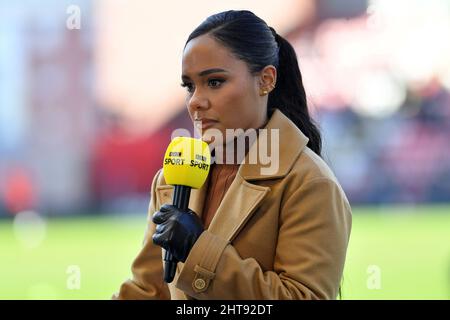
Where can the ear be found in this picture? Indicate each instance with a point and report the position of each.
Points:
(268, 78)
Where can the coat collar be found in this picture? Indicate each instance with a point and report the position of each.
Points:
(289, 143)
(243, 197)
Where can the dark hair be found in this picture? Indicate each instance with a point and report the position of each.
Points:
(250, 39)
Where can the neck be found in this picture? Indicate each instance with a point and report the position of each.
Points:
(234, 151)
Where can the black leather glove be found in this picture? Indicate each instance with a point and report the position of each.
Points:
(176, 230)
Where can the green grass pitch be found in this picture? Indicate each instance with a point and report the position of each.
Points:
(394, 253)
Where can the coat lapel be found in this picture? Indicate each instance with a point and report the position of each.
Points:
(238, 205)
(243, 198)
(196, 200)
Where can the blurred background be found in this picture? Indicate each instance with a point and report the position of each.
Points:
(90, 94)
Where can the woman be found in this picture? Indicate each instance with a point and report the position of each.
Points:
(251, 235)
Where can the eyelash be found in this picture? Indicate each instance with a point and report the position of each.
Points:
(186, 85)
(189, 85)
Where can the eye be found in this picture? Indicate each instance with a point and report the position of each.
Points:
(215, 83)
(189, 87)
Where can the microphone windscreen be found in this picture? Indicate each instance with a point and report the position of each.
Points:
(187, 162)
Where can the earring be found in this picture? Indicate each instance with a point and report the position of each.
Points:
(264, 92)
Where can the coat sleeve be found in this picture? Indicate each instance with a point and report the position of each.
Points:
(314, 230)
(147, 269)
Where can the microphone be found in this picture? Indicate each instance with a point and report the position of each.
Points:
(186, 165)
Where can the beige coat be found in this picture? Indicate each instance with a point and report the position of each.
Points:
(278, 236)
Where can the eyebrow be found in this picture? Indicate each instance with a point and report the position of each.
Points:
(206, 72)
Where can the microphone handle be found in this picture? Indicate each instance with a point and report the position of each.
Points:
(180, 200)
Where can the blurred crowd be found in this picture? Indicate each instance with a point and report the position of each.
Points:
(64, 150)
(403, 158)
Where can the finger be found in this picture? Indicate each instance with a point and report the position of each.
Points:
(160, 228)
(159, 240)
(162, 215)
(166, 207)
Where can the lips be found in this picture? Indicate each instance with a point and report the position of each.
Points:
(204, 123)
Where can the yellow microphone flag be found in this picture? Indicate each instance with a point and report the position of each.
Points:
(187, 162)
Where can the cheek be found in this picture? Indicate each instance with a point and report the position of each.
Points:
(234, 105)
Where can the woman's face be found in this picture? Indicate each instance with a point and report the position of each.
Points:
(221, 92)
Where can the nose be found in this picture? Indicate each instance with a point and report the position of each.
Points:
(197, 102)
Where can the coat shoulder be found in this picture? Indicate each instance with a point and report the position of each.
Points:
(309, 168)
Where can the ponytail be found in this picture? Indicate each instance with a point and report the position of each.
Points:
(289, 94)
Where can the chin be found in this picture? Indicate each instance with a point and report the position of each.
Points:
(211, 136)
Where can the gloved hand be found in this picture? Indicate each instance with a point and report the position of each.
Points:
(176, 230)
